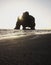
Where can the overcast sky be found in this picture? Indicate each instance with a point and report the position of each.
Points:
(11, 9)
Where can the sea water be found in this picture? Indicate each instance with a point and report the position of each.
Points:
(11, 33)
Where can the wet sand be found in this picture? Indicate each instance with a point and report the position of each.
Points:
(29, 50)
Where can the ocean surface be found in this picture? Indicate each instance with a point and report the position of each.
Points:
(34, 49)
(11, 33)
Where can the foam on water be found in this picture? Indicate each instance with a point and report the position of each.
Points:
(11, 33)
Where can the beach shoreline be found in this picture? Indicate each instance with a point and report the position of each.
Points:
(29, 50)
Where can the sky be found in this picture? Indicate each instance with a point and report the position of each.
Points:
(11, 9)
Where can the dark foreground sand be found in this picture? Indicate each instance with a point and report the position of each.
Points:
(31, 50)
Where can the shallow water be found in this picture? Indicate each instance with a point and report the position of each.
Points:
(25, 51)
(10, 33)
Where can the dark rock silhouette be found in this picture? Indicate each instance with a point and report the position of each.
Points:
(26, 21)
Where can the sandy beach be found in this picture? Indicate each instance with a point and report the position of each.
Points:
(28, 50)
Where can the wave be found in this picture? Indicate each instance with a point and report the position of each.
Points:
(11, 33)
